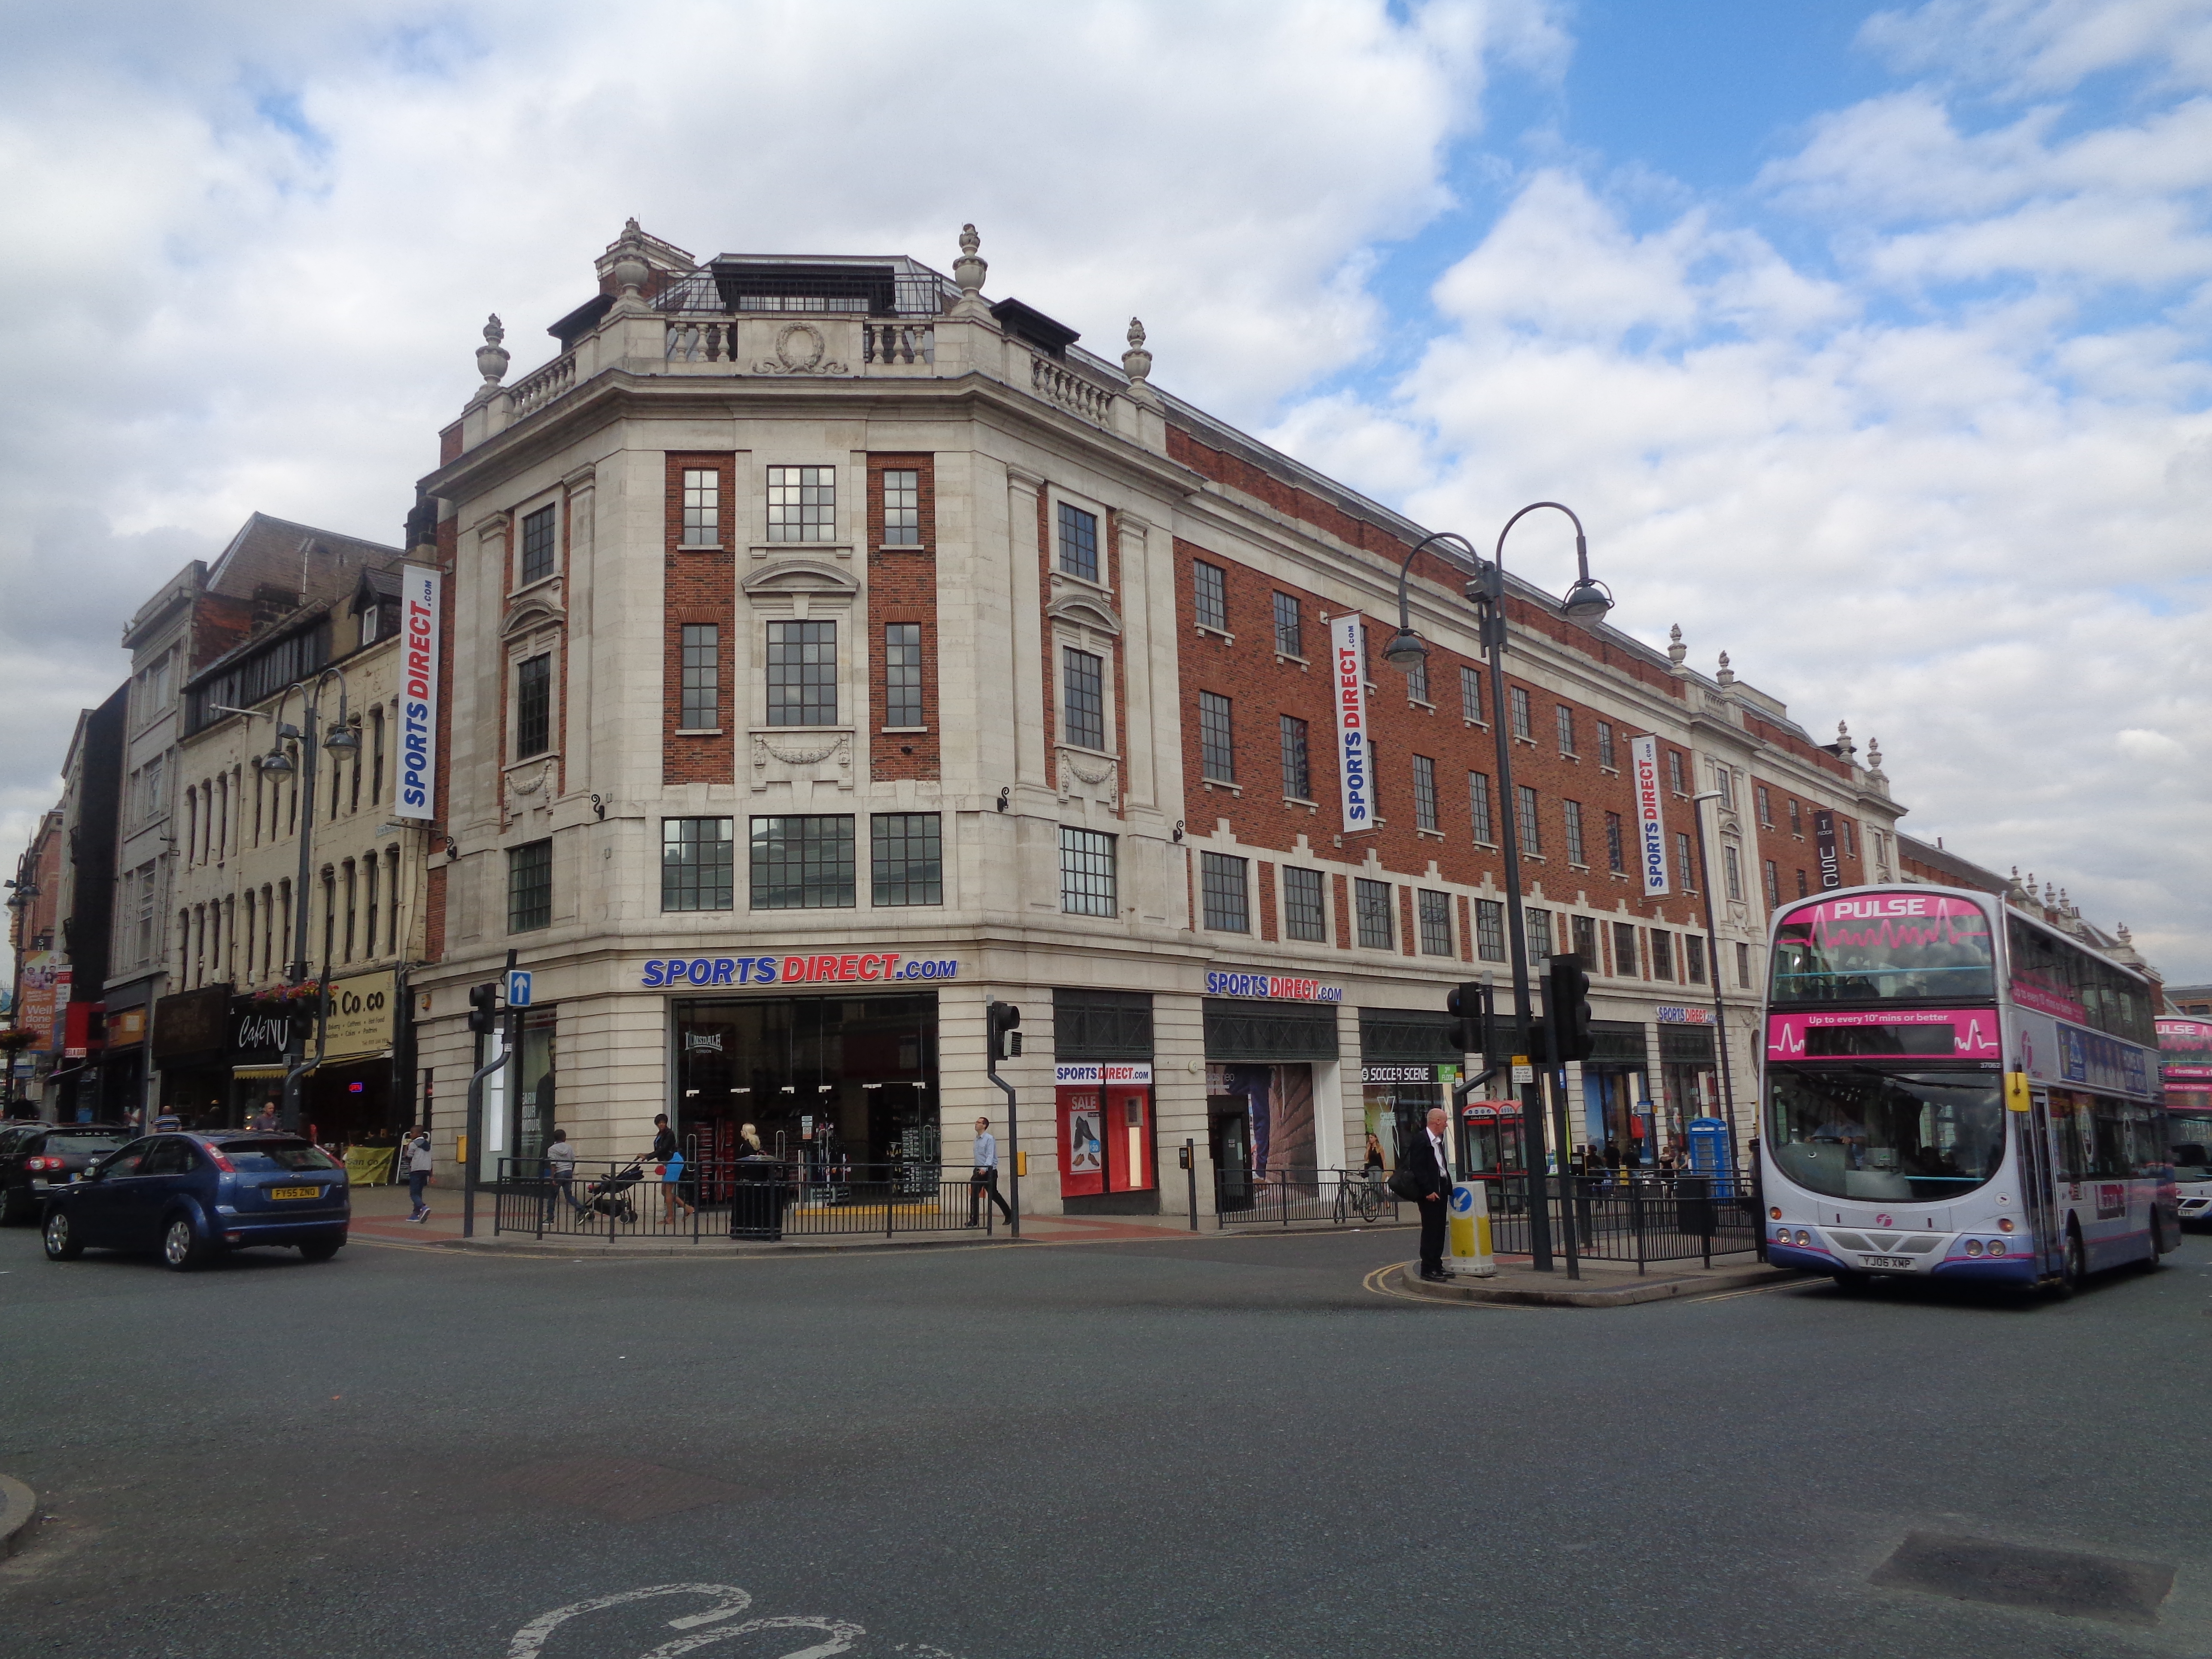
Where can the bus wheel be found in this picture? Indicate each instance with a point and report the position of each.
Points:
(2074, 1270)
(2158, 1247)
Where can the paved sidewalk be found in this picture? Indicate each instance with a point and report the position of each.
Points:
(379, 1217)
(1602, 1284)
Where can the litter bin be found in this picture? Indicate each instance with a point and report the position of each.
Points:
(757, 1199)
(1693, 1206)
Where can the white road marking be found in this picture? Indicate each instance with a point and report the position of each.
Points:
(529, 1642)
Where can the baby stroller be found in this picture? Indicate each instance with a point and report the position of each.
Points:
(611, 1196)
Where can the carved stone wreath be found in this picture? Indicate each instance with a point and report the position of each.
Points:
(798, 351)
(516, 782)
(764, 751)
(1104, 771)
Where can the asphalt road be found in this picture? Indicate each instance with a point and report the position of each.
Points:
(1221, 1448)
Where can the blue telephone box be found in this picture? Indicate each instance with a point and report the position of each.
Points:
(1708, 1154)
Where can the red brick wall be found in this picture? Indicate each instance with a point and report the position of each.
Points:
(700, 589)
(902, 588)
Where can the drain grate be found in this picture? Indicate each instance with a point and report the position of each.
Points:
(614, 1487)
(2016, 1575)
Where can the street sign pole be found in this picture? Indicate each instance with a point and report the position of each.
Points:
(476, 1117)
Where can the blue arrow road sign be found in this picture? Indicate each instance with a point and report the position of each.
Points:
(518, 988)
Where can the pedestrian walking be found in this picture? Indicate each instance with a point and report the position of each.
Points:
(984, 1182)
(1430, 1166)
(415, 1152)
(667, 1154)
(265, 1121)
(561, 1165)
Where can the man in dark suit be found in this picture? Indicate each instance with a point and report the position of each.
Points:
(1430, 1164)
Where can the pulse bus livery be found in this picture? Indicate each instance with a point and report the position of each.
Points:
(2185, 1047)
(1955, 1090)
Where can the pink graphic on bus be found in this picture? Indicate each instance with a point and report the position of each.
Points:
(1893, 919)
(1960, 1033)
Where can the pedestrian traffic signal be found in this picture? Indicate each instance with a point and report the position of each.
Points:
(1470, 1006)
(484, 1008)
(1566, 1005)
(1005, 1040)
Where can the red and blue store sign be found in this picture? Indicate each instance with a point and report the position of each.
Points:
(848, 967)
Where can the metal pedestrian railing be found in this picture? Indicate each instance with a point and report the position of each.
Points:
(735, 1198)
(1340, 1198)
(1622, 1219)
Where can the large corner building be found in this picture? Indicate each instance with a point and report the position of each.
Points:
(828, 650)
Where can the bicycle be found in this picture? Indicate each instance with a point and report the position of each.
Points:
(1362, 1195)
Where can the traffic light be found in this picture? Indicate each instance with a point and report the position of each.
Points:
(1470, 1006)
(1566, 1005)
(1005, 1040)
(484, 1008)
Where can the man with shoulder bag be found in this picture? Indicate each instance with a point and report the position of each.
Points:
(1423, 1177)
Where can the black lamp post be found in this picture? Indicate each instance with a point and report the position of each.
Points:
(340, 741)
(1585, 605)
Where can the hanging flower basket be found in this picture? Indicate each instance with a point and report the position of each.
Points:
(14, 1042)
(297, 997)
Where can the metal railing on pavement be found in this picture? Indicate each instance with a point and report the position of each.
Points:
(1340, 1198)
(741, 1198)
(1642, 1218)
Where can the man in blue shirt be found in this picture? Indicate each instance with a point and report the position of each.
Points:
(984, 1183)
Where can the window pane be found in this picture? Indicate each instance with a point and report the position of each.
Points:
(1625, 960)
(1732, 869)
(908, 858)
(538, 545)
(1489, 930)
(1539, 926)
(1530, 840)
(1372, 902)
(901, 508)
(533, 707)
(1217, 750)
(1566, 730)
(702, 690)
(1435, 924)
(1209, 592)
(1520, 717)
(1470, 695)
(1616, 851)
(1079, 542)
(1297, 772)
(1571, 812)
(1685, 869)
(530, 887)
(802, 503)
(1478, 800)
(802, 673)
(702, 508)
(1222, 892)
(902, 674)
(1425, 793)
(1605, 756)
(1586, 942)
(1417, 680)
(1087, 886)
(698, 864)
(1302, 915)
(1675, 775)
(1693, 958)
(1663, 954)
(1290, 626)
(802, 863)
(1083, 680)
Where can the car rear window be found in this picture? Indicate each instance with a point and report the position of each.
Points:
(96, 1142)
(264, 1155)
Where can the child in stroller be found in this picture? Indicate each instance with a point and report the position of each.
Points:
(611, 1196)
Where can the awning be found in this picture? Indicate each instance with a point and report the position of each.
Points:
(263, 1071)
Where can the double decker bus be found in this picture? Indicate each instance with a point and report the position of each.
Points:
(2185, 1047)
(1955, 1090)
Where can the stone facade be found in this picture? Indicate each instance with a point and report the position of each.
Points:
(1053, 510)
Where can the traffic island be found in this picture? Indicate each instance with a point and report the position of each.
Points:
(19, 1514)
(1603, 1284)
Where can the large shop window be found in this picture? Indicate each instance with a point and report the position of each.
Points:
(803, 863)
(1100, 1041)
(1616, 1100)
(1259, 1093)
(1409, 1058)
(830, 1082)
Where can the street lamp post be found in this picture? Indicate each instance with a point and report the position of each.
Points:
(1586, 604)
(340, 740)
(1713, 961)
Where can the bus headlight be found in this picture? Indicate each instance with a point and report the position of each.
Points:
(1782, 1235)
(1973, 1247)
(1996, 1246)
(1804, 1237)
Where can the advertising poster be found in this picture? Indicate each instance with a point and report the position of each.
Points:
(1278, 1108)
(1650, 827)
(414, 795)
(1823, 842)
(42, 972)
(1348, 649)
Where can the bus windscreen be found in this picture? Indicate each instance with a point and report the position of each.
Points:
(1885, 1137)
(1885, 947)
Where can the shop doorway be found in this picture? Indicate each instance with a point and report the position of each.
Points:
(1229, 1133)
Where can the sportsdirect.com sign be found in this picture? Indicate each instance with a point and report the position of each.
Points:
(1348, 643)
(860, 968)
(1650, 828)
(416, 794)
(1279, 988)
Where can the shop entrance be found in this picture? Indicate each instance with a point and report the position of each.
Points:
(827, 1081)
(1105, 1125)
(1688, 1077)
(1229, 1133)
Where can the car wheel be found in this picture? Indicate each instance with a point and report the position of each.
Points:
(321, 1250)
(182, 1247)
(61, 1239)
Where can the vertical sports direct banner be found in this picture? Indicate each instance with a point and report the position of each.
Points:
(1650, 828)
(1824, 841)
(416, 793)
(1354, 778)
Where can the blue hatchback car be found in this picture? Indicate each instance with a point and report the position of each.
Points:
(192, 1197)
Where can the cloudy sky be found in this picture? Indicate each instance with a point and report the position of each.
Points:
(1870, 341)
